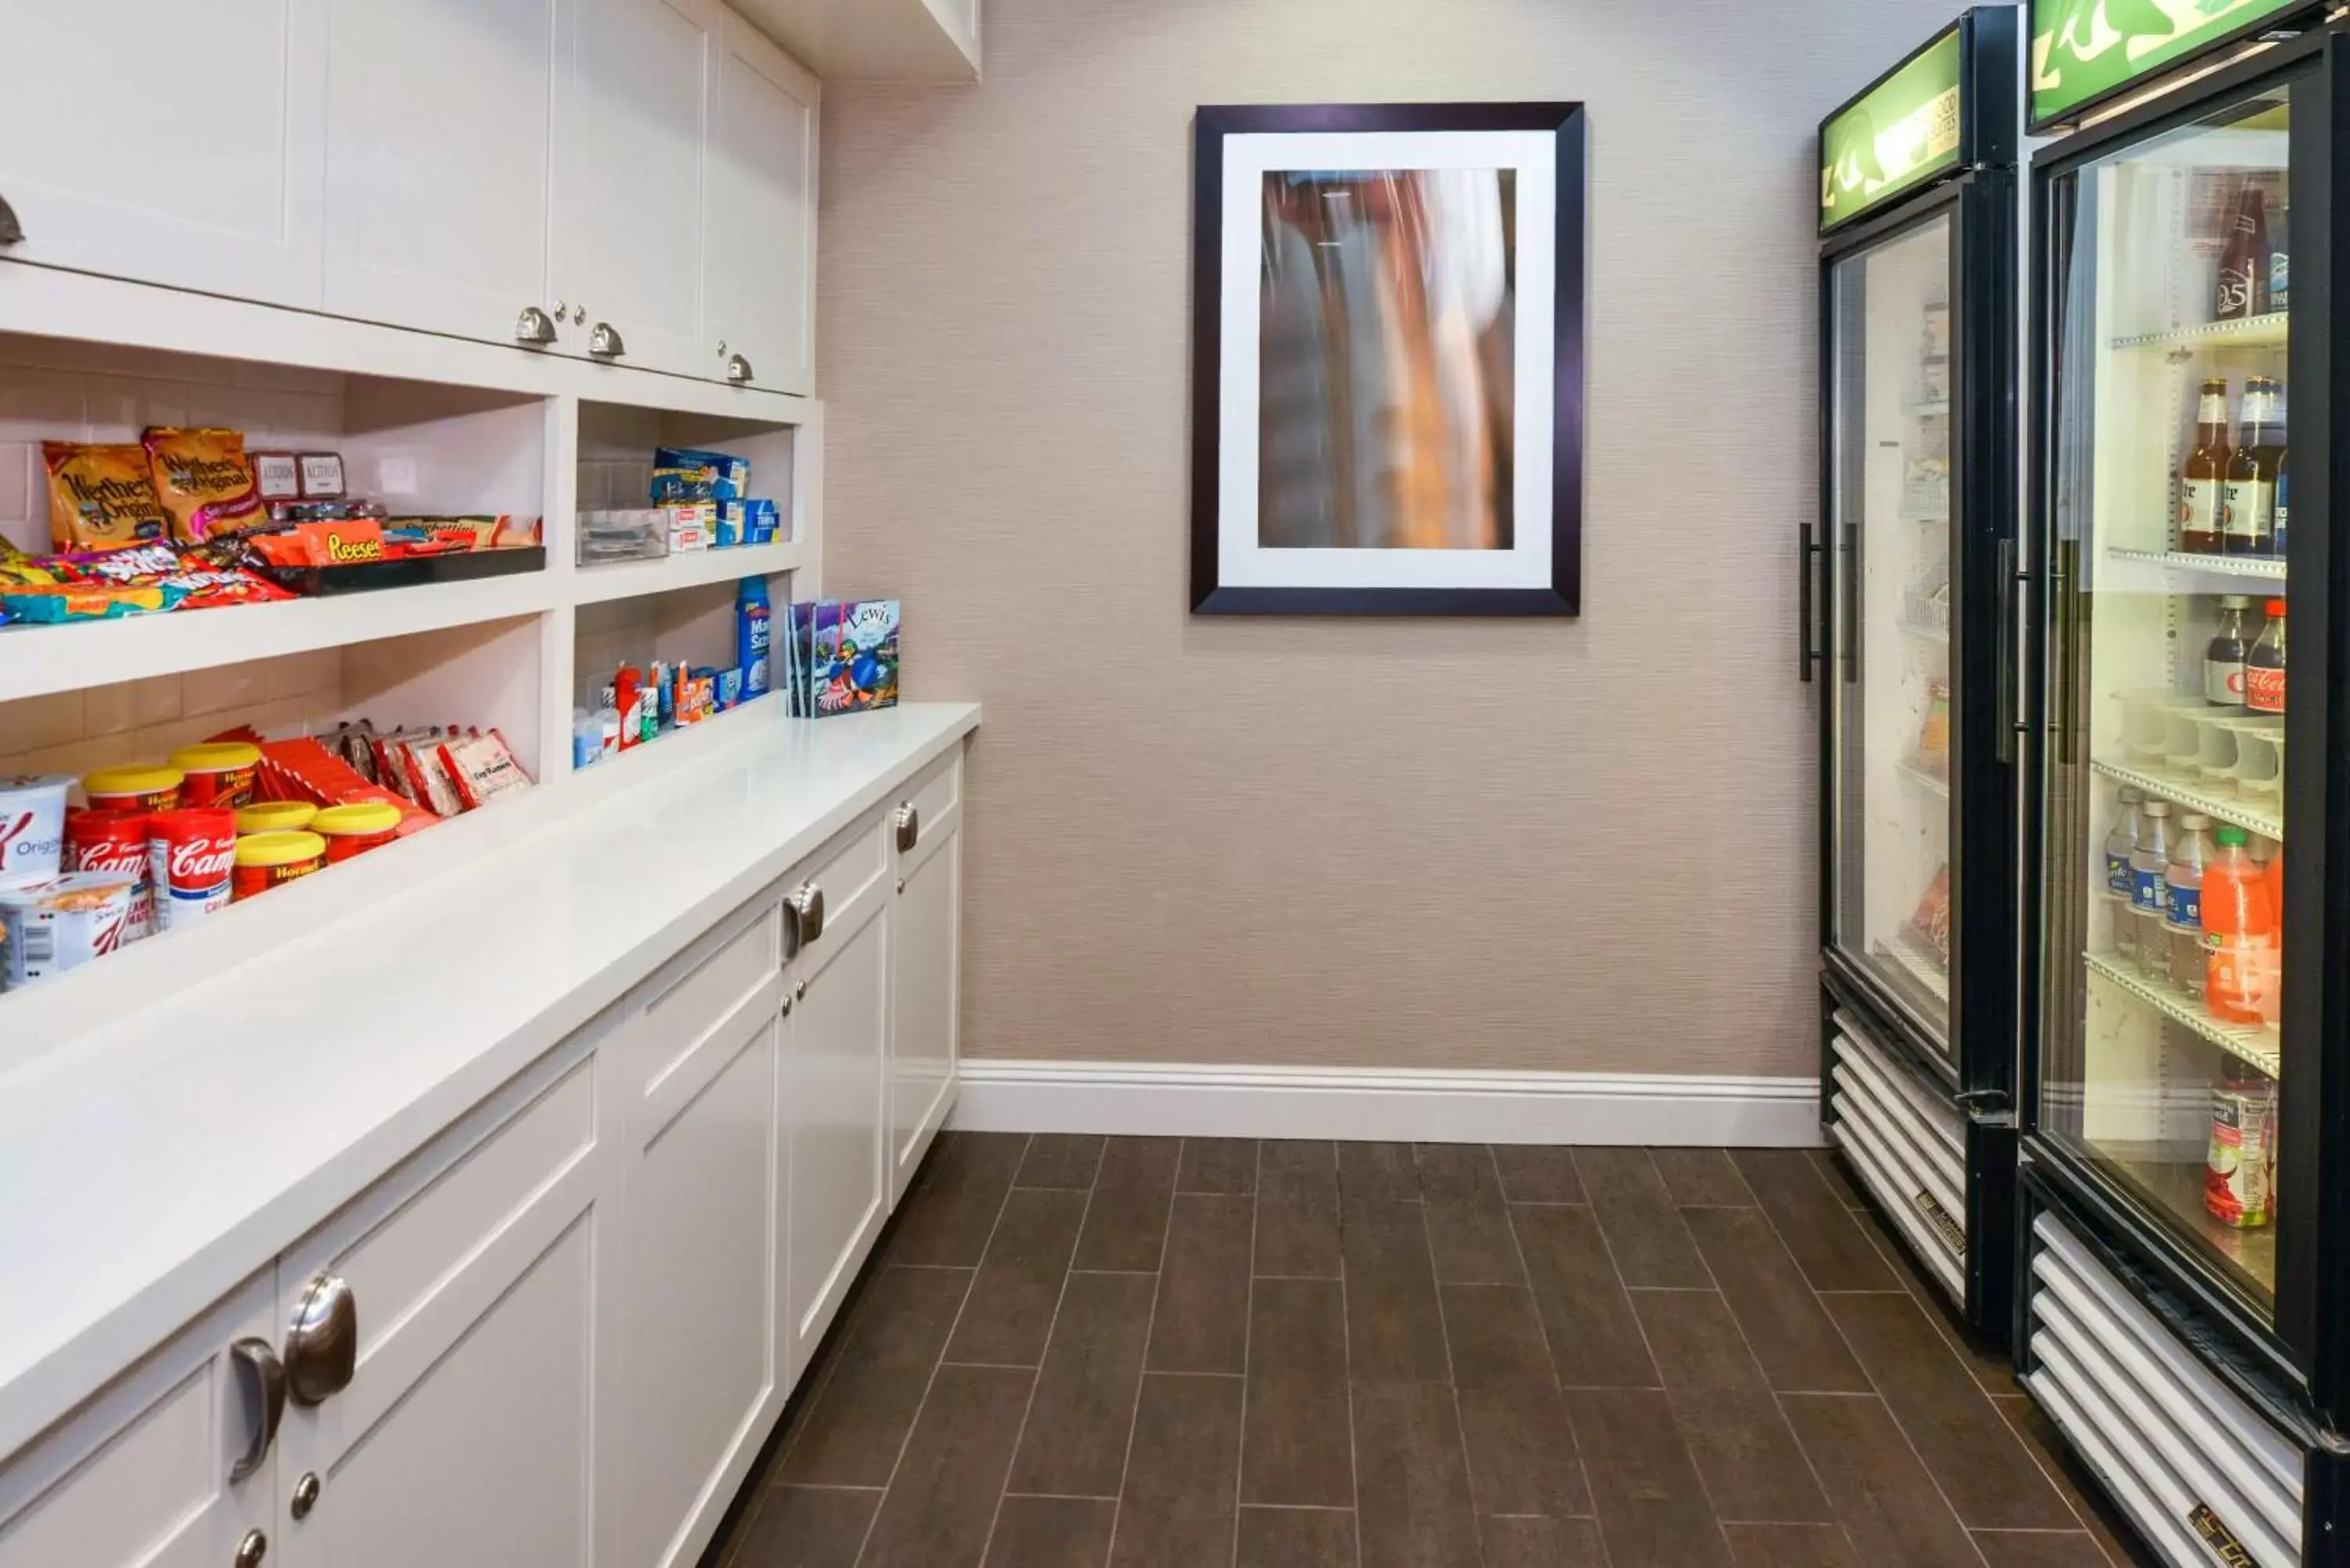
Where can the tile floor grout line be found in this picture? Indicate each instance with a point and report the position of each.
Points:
(1810, 1467)
(1518, 1245)
(1907, 1441)
(1248, 1336)
(1142, 1374)
(1346, 1347)
(1036, 1373)
(1451, 1377)
(1714, 1511)
(970, 1287)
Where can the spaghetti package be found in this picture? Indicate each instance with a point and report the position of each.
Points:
(204, 481)
(101, 496)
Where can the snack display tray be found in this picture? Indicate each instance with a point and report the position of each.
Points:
(409, 572)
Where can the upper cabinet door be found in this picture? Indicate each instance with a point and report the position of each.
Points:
(760, 237)
(632, 185)
(167, 143)
(437, 207)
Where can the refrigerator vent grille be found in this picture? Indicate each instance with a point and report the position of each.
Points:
(1910, 1149)
(2206, 1480)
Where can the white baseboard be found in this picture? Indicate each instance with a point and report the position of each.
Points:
(1424, 1107)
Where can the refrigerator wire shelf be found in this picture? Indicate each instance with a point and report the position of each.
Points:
(2247, 1044)
(1919, 964)
(2166, 786)
(1925, 776)
(2269, 329)
(2270, 568)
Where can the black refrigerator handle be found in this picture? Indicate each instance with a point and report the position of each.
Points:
(1851, 634)
(1807, 549)
(2011, 673)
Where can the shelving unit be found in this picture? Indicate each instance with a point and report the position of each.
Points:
(2246, 331)
(2267, 822)
(2250, 1045)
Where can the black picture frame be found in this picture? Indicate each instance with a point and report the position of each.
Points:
(1563, 596)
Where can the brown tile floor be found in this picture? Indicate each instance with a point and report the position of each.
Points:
(1073, 1352)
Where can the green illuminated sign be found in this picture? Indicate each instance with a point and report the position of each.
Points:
(2082, 49)
(1902, 133)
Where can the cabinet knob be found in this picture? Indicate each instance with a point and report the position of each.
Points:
(789, 999)
(305, 1495)
(534, 326)
(807, 907)
(605, 343)
(578, 314)
(909, 826)
(12, 233)
(799, 992)
(252, 1550)
(738, 369)
(258, 1359)
(322, 1346)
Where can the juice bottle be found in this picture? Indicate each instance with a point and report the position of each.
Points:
(2238, 931)
(2182, 926)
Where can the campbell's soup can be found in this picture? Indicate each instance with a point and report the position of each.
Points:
(116, 841)
(190, 856)
(58, 923)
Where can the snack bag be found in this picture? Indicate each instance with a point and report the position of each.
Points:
(101, 497)
(204, 481)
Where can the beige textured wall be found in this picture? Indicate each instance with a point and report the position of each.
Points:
(1580, 845)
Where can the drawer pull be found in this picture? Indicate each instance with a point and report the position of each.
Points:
(322, 1347)
(909, 826)
(738, 370)
(605, 343)
(12, 233)
(258, 1357)
(806, 906)
(534, 326)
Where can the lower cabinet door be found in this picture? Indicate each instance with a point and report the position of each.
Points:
(834, 1096)
(924, 994)
(698, 1380)
(462, 1433)
(138, 1478)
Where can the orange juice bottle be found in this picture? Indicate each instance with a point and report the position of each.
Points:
(2239, 932)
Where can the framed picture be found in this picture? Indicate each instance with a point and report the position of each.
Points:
(1387, 413)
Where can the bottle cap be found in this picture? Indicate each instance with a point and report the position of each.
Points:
(2275, 608)
(2195, 821)
(2235, 601)
(2231, 836)
(2158, 808)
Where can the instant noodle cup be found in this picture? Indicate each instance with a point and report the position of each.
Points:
(274, 816)
(351, 830)
(58, 923)
(32, 824)
(143, 787)
(190, 856)
(267, 860)
(220, 772)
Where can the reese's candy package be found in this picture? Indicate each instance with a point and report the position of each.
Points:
(101, 496)
(204, 481)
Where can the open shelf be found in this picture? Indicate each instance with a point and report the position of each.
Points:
(629, 579)
(2248, 330)
(2268, 822)
(2247, 1044)
(1904, 953)
(2190, 563)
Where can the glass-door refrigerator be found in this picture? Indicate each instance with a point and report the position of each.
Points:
(1909, 579)
(2186, 1314)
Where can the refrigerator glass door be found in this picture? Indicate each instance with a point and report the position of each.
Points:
(1890, 518)
(2170, 486)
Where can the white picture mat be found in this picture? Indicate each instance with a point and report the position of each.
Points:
(1241, 562)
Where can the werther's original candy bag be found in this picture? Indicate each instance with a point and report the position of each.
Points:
(204, 481)
(101, 497)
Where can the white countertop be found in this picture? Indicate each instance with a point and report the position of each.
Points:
(174, 1117)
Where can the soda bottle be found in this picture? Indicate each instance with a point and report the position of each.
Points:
(2149, 863)
(2183, 895)
(2264, 665)
(2238, 931)
(2223, 655)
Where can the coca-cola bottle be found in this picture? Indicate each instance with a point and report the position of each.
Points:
(2265, 666)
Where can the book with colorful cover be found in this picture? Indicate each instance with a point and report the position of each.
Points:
(841, 656)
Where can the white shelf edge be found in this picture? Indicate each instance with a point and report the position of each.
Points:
(631, 579)
(1924, 777)
(2245, 1043)
(2218, 808)
(2268, 568)
(37, 660)
(1903, 951)
(1923, 632)
(2266, 329)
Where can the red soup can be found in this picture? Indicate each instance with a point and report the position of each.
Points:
(116, 841)
(190, 856)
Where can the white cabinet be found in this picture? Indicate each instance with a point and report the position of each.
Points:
(834, 1092)
(465, 1433)
(697, 1279)
(169, 142)
(140, 1477)
(924, 969)
(759, 244)
(631, 184)
(438, 162)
